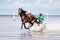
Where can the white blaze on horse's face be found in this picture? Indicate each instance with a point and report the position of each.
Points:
(20, 11)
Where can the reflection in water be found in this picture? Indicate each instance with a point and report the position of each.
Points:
(28, 36)
(25, 36)
(45, 36)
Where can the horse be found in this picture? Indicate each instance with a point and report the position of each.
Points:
(26, 19)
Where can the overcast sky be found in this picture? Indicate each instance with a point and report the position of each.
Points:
(9, 7)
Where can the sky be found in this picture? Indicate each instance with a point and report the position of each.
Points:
(10, 7)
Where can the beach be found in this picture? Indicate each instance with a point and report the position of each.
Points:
(10, 29)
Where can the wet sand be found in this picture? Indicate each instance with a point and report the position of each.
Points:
(27, 36)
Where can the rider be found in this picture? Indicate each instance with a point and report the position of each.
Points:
(40, 18)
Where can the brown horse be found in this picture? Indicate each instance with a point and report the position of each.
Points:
(26, 18)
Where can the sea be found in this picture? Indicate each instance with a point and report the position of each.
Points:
(10, 29)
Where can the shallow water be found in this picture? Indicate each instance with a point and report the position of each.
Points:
(45, 36)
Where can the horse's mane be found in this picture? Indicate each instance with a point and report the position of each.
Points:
(23, 12)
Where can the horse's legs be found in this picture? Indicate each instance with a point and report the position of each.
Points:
(35, 20)
(21, 26)
(38, 22)
(25, 26)
(31, 24)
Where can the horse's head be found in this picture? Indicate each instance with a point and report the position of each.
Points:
(20, 11)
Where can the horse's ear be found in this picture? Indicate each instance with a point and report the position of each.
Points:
(19, 8)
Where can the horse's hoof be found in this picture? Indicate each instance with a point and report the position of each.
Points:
(38, 24)
(21, 29)
(27, 28)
